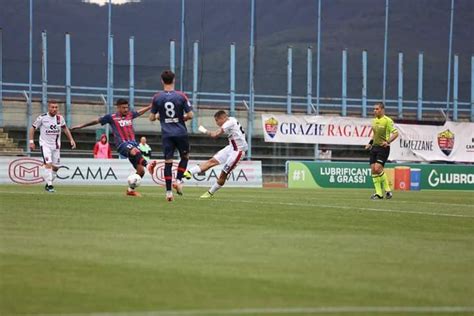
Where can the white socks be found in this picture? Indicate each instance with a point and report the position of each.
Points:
(195, 169)
(214, 188)
(48, 176)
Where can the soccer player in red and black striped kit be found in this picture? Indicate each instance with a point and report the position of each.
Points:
(172, 108)
(121, 123)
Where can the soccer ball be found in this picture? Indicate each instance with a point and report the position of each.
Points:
(134, 181)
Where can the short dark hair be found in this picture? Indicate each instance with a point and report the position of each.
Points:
(219, 113)
(121, 101)
(380, 104)
(167, 76)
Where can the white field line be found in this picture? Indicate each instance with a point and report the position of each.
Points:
(326, 196)
(274, 203)
(289, 310)
(351, 208)
(395, 200)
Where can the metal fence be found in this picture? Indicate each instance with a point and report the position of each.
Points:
(296, 63)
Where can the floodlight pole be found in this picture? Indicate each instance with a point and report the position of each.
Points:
(30, 82)
(181, 69)
(318, 72)
(251, 80)
(448, 88)
(385, 48)
(44, 72)
(131, 89)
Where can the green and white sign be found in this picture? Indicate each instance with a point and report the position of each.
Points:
(357, 175)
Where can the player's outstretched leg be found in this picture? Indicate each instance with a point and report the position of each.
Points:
(131, 192)
(216, 186)
(207, 195)
(203, 167)
(131, 188)
(139, 163)
(189, 173)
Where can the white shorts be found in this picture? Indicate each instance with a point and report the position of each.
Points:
(50, 155)
(230, 157)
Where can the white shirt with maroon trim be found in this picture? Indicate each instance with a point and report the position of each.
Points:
(50, 130)
(235, 134)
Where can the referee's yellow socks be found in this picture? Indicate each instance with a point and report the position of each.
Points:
(377, 179)
(384, 180)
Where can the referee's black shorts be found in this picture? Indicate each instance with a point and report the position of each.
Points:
(379, 154)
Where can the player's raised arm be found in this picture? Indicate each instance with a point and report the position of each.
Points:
(213, 134)
(94, 122)
(143, 110)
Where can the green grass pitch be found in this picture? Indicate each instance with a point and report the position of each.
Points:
(94, 251)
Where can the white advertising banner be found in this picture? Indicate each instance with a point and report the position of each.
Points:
(450, 142)
(87, 171)
(313, 129)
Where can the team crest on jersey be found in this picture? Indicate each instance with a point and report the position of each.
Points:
(271, 127)
(446, 141)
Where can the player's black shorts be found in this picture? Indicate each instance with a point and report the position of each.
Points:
(379, 154)
(171, 143)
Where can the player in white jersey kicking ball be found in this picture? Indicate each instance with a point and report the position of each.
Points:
(50, 125)
(230, 155)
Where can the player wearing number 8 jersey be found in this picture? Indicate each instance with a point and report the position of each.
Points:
(172, 108)
(230, 155)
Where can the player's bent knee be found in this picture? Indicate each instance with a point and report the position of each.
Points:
(212, 162)
(140, 170)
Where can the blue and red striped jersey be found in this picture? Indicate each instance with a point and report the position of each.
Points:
(122, 126)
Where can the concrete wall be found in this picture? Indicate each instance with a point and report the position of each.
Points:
(15, 115)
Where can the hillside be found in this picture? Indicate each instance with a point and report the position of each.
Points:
(415, 26)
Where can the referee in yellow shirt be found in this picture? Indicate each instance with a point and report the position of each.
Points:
(383, 133)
